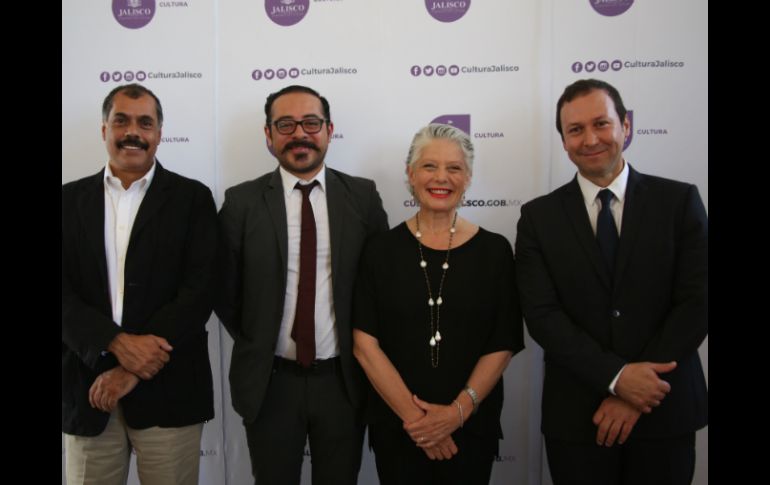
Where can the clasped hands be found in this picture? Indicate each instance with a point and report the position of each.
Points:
(638, 390)
(140, 356)
(433, 431)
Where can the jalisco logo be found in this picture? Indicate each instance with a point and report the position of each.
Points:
(447, 10)
(294, 72)
(286, 12)
(453, 69)
(610, 8)
(133, 14)
(617, 65)
(139, 76)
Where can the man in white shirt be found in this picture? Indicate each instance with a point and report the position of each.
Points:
(138, 248)
(612, 271)
(291, 244)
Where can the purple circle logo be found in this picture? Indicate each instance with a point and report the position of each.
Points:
(269, 74)
(440, 70)
(293, 72)
(141, 75)
(128, 76)
(454, 70)
(256, 74)
(133, 14)
(577, 66)
(447, 10)
(590, 66)
(428, 70)
(117, 76)
(286, 12)
(603, 65)
(416, 70)
(104, 76)
(610, 8)
(281, 73)
(616, 65)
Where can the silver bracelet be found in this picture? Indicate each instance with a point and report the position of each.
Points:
(474, 398)
(460, 409)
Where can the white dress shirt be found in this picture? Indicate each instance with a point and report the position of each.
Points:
(326, 340)
(593, 205)
(120, 208)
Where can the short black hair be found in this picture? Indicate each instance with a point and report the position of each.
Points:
(585, 86)
(133, 91)
(295, 88)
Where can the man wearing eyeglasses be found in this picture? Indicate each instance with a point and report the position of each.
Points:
(291, 244)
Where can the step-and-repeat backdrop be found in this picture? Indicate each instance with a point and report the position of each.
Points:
(493, 68)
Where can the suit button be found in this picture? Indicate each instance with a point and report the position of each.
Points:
(616, 313)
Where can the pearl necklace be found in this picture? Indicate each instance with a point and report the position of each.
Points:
(435, 333)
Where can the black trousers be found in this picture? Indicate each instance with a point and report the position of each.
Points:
(401, 462)
(300, 405)
(662, 461)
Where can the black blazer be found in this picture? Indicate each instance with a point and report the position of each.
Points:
(657, 309)
(252, 271)
(168, 276)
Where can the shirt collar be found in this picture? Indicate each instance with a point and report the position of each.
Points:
(290, 180)
(618, 186)
(110, 180)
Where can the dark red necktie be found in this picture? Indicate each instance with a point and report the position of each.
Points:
(303, 331)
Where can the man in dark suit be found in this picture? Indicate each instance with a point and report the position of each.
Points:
(620, 318)
(138, 248)
(291, 244)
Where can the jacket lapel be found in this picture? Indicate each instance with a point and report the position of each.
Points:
(574, 205)
(276, 205)
(156, 196)
(335, 203)
(91, 210)
(633, 213)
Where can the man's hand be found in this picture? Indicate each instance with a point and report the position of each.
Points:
(110, 387)
(640, 386)
(143, 355)
(614, 417)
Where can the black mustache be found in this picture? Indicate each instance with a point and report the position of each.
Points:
(133, 142)
(300, 143)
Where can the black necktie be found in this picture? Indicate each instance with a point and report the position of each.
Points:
(606, 230)
(303, 331)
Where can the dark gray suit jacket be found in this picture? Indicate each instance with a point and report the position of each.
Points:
(253, 268)
(656, 310)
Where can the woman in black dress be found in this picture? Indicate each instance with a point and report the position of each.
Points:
(437, 320)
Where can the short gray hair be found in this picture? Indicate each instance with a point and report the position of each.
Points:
(439, 131)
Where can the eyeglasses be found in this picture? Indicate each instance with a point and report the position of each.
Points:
(310, 125)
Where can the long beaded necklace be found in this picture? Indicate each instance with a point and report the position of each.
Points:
(435, 332)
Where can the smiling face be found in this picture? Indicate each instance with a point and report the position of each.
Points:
(594, 136)
(300, 153)
(439, 176)
(132, 134)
